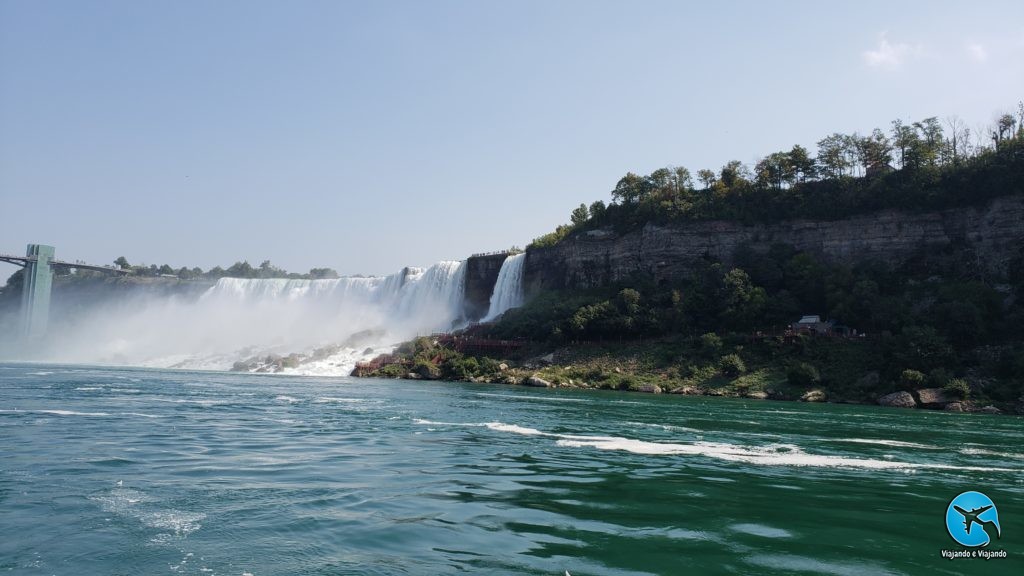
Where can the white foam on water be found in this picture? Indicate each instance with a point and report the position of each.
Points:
(529, 397)
(803, 564)
(666, 427)
(893, 443)
(181, 523)
(335, 400)
(196, 402)
(432, 423)
(141, 415)
(766, 455)
(986, 452)
(498, 426)
(39, 373)
(288, 399)
(55, 412)
(131, 503)
(89, 388)
(761, 530)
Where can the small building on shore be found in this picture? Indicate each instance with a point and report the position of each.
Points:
(812, 324)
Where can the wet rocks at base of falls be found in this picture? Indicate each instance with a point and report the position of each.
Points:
(269, 364)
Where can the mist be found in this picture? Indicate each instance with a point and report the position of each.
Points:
(328, 324)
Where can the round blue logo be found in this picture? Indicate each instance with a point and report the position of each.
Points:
(972, 520)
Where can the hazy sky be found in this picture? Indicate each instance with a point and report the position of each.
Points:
(370, 135)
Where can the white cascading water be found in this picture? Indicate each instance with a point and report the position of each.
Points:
(508, 289)
(239, 319)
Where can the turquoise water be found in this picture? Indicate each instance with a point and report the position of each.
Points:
(124, 471)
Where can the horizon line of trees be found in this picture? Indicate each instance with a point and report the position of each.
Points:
(241, 269)
(924, 164)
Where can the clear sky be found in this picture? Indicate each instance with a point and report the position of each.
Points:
(370, 135)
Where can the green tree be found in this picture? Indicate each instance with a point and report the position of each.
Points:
(629, 299)
(122, 263)
(707, 178)
(631, 189)
(930, 137)
(580, 215)
(322, 273)
(874, 152)
(732, 365)
(240, 270)
(801, 164)
(832, 157)
(733, 174)
(907, 145)
(1004, 129)
(710, 344)
(775, 171)
(803, 375)
(744, 302)
(597, 211)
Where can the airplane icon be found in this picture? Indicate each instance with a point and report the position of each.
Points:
(972, 518)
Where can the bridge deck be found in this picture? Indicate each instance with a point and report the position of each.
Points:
(24, 260)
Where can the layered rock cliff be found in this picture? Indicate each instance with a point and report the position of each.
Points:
(995, 232)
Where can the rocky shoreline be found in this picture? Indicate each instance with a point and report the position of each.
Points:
(544, 372)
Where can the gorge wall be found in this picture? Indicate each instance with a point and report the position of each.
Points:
(995, 232)
(481, 275)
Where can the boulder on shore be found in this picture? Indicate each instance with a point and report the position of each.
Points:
(537, 382)
(954, 407)
(757, 395)
(649, 388)
(816, 395)
(898, 400)
(934, 397)
(990, 410)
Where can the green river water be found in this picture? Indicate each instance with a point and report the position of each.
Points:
(129, 471)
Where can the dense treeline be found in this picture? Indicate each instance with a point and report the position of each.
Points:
(918, 166)
(237, 270)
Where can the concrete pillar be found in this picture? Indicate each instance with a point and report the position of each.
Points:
(35, 294)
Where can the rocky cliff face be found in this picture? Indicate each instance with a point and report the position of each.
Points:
(481, 274)
(995, 232)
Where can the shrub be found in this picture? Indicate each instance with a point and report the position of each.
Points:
(958, 387)
(426, 369)
(911, 379)
(392, 371)
(803, 375)
(710, 344)
(732, 365)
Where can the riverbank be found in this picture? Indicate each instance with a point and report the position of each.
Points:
(801, 369)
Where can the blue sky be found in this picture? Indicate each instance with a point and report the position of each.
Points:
(366, 136)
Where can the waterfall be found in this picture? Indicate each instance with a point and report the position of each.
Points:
(332, 323)
(508, 289)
